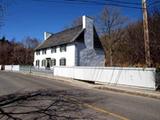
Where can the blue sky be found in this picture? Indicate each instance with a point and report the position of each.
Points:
(29, 18)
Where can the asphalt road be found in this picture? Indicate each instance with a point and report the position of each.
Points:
(112, 105)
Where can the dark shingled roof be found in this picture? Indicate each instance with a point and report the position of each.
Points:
(66, 36)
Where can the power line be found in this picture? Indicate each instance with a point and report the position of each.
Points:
(124, 2)
(154, 3)
(113, 1)
(86, 2)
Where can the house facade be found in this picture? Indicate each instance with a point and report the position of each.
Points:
(77, 46)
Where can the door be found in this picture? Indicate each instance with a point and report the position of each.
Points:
(48, 63)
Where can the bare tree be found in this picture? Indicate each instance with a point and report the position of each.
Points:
(13, 52)
(76, 22)
(5, 51)
(29, 44)
(111, 23)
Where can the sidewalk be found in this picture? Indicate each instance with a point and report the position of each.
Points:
(116, 88)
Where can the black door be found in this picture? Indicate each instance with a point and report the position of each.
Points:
(48, 63)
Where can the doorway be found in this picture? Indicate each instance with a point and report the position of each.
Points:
(48, 63)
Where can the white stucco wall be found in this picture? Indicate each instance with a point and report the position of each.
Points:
(138, 77)
(89, 57)
(69, 54)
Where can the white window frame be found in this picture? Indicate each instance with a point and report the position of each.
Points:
(62, 63)
(44, 51)
(53, 49)
(53, 62)
(63, 48)
(44, 63)
(37, 52)
(37, 63)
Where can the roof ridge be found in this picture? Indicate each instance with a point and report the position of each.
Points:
(66, 29)
(65, 36)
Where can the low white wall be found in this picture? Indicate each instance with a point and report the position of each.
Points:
(12, 67)
(138, 77)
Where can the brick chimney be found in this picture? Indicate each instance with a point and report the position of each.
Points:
(87, 24)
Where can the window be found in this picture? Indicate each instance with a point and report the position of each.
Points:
(62, 61)
(63, 48)
(44, 51)
(37, 52)
(37, 62)
(43, 63)
(53, 62)
(53, 50)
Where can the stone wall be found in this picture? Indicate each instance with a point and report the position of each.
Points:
(91, 57)
(88, 55)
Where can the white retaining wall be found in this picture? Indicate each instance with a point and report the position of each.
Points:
(138, 77)
(12, 67)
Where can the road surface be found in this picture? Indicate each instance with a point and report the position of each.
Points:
(109, 105)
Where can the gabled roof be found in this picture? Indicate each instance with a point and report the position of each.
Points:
(66, 36)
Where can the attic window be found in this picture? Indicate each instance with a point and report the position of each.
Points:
(63, 48)
(44, 51)
(53, 50)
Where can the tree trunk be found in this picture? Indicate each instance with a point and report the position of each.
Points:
(110, 57)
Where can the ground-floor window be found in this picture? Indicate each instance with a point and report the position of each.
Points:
(62, 61)
(43, 62)
(37, 62)
(53, 62)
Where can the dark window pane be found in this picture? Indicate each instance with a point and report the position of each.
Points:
(53, 50)
(37, 62)
(37, 52)
(63, 48)
(43, 62)
(62, 62)
(53, 62)
(44, 51)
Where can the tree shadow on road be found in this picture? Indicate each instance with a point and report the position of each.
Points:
(42, 105)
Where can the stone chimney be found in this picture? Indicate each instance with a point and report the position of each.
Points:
(87, 24)
(47, 35)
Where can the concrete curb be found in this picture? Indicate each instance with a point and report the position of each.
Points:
(139, 93)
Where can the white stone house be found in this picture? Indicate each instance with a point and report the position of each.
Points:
(77, 46)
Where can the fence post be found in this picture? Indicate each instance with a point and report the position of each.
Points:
(53, 72)
(30, 69)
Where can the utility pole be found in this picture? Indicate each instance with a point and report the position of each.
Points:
(146, 34)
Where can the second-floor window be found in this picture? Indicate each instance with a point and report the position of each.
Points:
(44, 51)
(63, 48)
(53, 50)
(37, 52)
